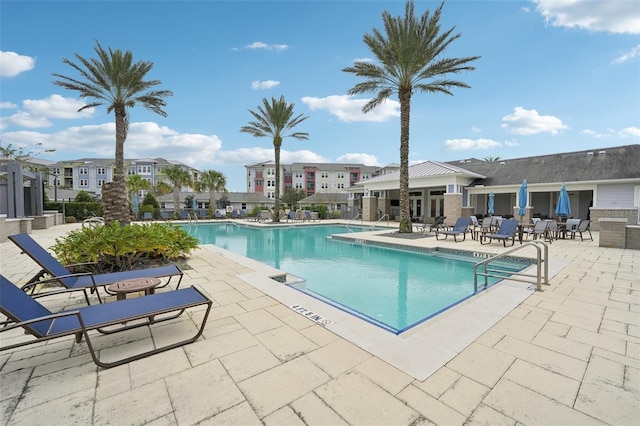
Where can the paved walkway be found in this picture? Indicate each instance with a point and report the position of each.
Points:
(568, 355)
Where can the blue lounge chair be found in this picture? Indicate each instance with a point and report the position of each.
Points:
(292, 216)
(308, 217)
(507, 231)
(85, 280)
(460, 228)
(27, 313)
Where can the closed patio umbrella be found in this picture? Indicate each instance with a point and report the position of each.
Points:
(491, 203)
(136, 203)
(522, 199)
(563, 208)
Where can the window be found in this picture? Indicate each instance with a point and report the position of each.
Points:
(100, 183)
(55, 171)
(340, 186)
(144, 170)
(83, 170)
(365, 176)
(131, 172)
(102, 171)
(298, 175)
(324, 175)
(298, 185)
(271, 183)
(84, 182)
(340, 175)
(271, 172)
(243, 206)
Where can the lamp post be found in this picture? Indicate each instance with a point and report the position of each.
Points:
(55, 186)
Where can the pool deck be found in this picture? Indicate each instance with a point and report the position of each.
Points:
(567, 355)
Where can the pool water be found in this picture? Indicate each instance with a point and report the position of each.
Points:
(395, 289)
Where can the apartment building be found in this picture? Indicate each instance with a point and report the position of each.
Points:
(90, 174)
(312, 178)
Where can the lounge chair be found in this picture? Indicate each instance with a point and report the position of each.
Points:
(428, 227)
(147, 216)
(583, 227)
(85, 280)
(166, 216)
(308, 217)
(460, 228)
(27, 313)
(507, 231)
(292, 216)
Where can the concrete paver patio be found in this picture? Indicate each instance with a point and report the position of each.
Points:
(567, 355)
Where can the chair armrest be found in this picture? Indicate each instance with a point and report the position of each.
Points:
(13, 325)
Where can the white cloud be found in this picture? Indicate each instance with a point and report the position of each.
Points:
(594, 134)
(244, 156)
(37, 112)
(475, 129)
(262, 85)
(260, 45)
(529, 122)
(12, 64)
(467, 144)
(56, 106)
(359, 158)
(7, 105)
(616, 16)
(363, 60)
(348, 109)
(630, 132)
(628, 55)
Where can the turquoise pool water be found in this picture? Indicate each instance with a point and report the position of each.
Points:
(395, 289)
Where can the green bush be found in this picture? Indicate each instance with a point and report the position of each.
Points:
(113, 247)
(82, 210)
(150, 200)
(70, 219)
(83, 197)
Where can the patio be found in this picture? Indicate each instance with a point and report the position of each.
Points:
(568, 355)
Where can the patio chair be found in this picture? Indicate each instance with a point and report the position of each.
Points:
(571, 224)
(583, 227)
(428, 227)
(84, 280)
(147, 216)
(292, 216)
(166, 216)
(308, 217)
(506, 232)
(42, 324)
(540, 230)
(486, 227)
(460, 228)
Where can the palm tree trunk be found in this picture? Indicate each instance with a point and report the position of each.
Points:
(212, 200)
(405, 109)
(176, 201)
(277, 142)
(115, 200)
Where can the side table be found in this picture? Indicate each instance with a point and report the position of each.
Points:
(122, 288)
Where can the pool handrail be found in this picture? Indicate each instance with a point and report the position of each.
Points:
(542, 257)
(373, 227)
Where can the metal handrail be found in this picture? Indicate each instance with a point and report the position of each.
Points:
(359, 215)
(372, 227)
(542, 258)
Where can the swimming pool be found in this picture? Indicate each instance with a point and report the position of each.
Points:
(392, 288)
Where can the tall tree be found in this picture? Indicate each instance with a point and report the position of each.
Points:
(212, 181)
(409, 59)
(274, 120)
(134, 184)
(112, 79)
(178, 177)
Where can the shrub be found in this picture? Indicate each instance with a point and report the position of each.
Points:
(70, 219)
(113, 247)
(83, 197)
(150, 200)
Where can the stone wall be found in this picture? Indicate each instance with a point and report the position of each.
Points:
(631, 214)
(452, 207)
(632, 237)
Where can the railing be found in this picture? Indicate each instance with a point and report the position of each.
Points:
(354, 219)
(372, 227)
(542, 260)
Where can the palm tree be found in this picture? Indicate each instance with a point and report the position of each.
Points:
(409, 60)
(162, 188)
(136, 183)
(491, 159)
(115, 81)
(274, 120)
(212, 181)
(178, 177)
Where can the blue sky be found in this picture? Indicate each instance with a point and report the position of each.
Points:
(554, 76)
